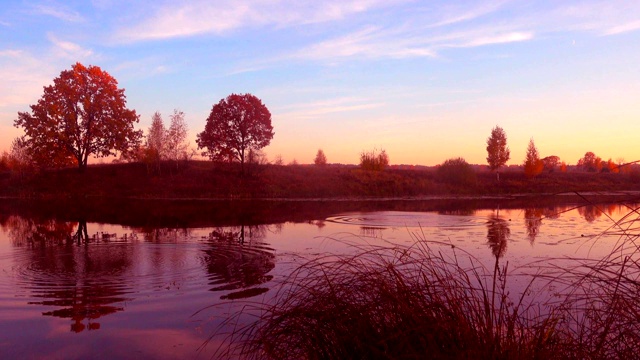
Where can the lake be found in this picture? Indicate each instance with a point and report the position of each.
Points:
(155, 279)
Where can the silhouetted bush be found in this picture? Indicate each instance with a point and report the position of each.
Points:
(457, 172)
(372, 160)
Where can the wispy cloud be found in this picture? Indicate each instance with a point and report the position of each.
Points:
(23, 76)
(603, 17)
(398, 43)
(145, 67)
(58, 11)
(319, 109)
(456, 14)
(624, 28)
(68, 50)
(509, 37)
(370, 42)
(202, 17)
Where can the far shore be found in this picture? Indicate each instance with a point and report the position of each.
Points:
(206, 181)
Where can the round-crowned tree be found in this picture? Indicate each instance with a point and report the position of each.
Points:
(236, 124)
(83, 113)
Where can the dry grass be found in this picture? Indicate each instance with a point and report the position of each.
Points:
(420, 302)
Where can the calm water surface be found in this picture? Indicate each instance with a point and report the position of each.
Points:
(158, 286)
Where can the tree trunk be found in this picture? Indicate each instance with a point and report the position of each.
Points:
(242, 161)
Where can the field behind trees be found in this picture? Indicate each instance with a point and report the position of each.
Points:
(208, 180)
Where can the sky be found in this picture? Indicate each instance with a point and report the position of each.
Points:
(424, 80)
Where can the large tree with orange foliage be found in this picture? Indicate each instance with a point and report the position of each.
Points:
(236, 124)
(83, 113)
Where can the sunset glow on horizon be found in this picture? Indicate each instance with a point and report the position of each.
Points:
(423, 80)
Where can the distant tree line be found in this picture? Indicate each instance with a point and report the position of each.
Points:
(84, 114)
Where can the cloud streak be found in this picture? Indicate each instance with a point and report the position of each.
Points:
(59, 12)
(319, 109)
(68, 50)
(206, 17)
(624, 28)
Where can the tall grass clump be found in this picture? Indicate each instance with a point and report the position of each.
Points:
(427, 301)
(600, 303)
(397, 303)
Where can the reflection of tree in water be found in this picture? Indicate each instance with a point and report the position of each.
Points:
(64, 271)
(590, 212)
(164, 234)
(533, 221)
(237, 259)
(371, 231)
(458, 212)
(498, 233)
(31, 232)
(88, 301)
(319, 223)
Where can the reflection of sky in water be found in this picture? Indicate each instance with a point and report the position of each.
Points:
(142, 284)
(533, 233)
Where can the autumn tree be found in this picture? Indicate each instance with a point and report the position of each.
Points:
(563, 167)
(320, 159)
(623, 166)
(20, 158)
(374, 160)
(177, 145)
(156, 141)
(83, 113)
(550, 163)
(532, 163)
(590, 162)
(236, 124)
(497, 149)
(4, 161)
(611, 167)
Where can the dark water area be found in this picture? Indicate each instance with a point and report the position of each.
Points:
(159, 279)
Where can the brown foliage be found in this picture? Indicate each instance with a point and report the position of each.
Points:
(550, 163)
(372, 160)
(590, 162)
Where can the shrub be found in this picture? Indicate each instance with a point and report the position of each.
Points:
(372, 160)
(456, 171)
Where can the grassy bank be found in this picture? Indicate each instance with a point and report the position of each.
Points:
(201, 179)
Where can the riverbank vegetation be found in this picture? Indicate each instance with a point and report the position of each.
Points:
(208, 180)
(402, 302)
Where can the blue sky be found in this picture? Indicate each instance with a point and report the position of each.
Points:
(425, 80)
